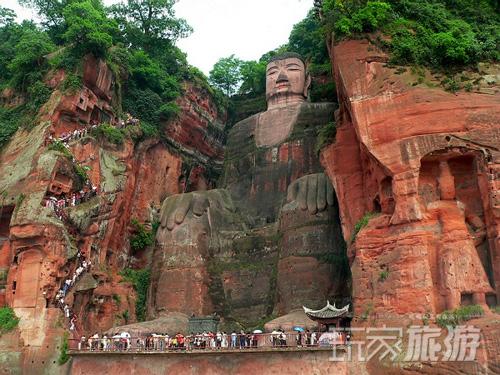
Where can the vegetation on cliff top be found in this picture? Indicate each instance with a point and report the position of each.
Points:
(136, 39)
(235, 76)
(433, 33)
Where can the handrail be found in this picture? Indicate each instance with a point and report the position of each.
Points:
(200, 343)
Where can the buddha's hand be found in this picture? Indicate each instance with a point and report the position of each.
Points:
(313, 192)
(177, 207)
(193, 206)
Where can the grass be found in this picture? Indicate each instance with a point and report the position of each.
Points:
(63, 354)
(140, 281)
(367, 311)
(141, 238)
(456, 317)
(326, 136)
(60, 147)
(8, 320)
(383, 275)
(363, 222)
(109, 133)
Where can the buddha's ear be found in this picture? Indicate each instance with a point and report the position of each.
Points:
(307, 85)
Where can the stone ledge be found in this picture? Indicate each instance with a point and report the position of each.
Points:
(75, 353)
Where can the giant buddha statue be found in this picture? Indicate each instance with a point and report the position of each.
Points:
(268, 240)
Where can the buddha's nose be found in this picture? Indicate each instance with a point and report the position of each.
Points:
(282, 77)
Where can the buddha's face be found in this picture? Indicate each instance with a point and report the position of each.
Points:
(286, 78)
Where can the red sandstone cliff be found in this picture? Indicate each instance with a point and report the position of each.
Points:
(427, 163)
(38, 250)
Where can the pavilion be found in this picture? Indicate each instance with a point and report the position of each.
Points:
(330, 316)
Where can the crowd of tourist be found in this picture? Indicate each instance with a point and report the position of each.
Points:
(69, 136)
(59, 203)
(205, 341)
(129, 120)
(83, 266)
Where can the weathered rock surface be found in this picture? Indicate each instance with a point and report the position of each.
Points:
(38, 251)
(427, 162)
(240, 251)
(313, 362)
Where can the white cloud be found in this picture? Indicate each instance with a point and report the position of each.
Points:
(245, 28)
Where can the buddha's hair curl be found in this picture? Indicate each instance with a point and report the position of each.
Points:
(287, 55)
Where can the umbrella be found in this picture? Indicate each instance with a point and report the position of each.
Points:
(257, 331)
(298, 329)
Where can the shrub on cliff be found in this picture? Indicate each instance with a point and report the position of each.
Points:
(8, 320)
(141, 238)
(60, 147)
(363, 222)
(453, 318)
(109, 133)
(435, 33)
(140, 281)
(326, 136)
(63, 354)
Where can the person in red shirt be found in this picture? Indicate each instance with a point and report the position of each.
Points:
(180, 340)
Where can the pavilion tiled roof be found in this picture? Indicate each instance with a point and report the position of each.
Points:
(327, 312)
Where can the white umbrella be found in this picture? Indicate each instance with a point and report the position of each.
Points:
(257, 331)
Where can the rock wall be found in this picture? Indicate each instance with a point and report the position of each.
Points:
(426, 162)
(292, 362)
(38, 250)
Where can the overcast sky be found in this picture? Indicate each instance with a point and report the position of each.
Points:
(245, 28)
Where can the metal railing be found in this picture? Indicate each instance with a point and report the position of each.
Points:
(240, 342)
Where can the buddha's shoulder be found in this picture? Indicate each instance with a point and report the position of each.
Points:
(319, 112)
(246, 126)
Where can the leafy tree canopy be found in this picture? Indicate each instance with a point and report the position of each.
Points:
(7, 16)
(147, 23)
(88, 28)
(253, 77)
(29, 57)
(52, 14)
(437, 33)
(226, 75)
(307, 39)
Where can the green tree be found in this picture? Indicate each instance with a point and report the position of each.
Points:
(29, 57)
(307, 39)
(253, 77)
(7, 16)
(226, 74)
(148, 22)
(435, 33)
(88, 29)
(51, 13)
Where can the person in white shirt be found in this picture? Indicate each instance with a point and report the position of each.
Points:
(224, 340)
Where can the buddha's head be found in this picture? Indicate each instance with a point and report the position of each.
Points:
(287, 81)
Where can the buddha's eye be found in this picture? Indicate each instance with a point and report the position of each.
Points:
(272, 72)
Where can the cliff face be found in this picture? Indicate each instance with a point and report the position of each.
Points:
(427, 163)
(39, 249)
